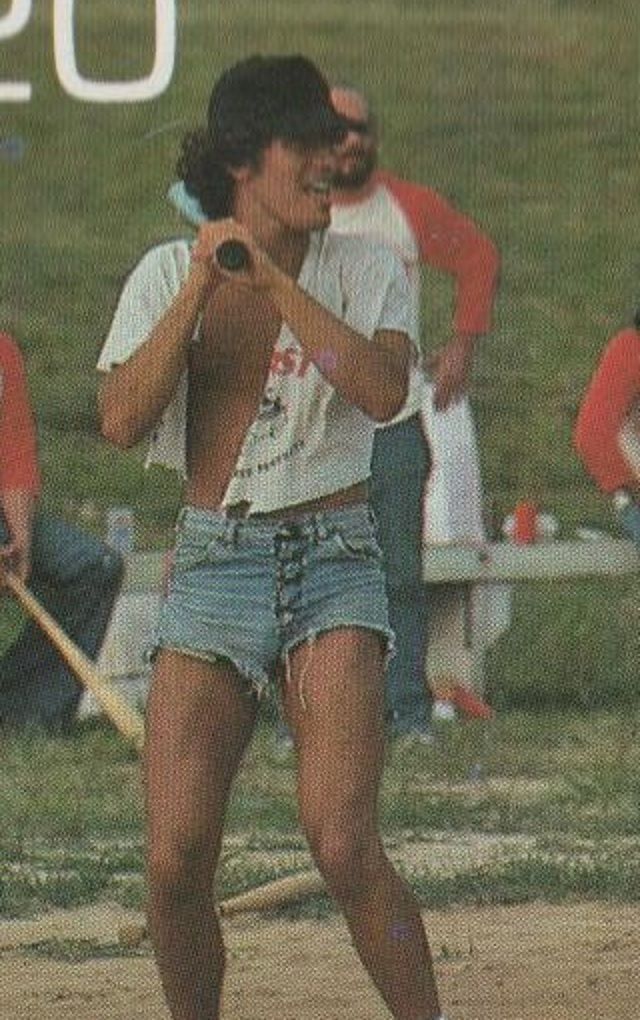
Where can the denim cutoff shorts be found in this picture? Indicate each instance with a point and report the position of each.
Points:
(251, 590)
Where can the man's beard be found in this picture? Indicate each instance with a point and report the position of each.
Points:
(358, 176)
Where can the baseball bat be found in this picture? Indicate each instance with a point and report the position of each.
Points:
(276, 893)
(129, 722)
(233, 255)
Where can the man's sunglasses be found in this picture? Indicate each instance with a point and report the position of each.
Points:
(359, 127)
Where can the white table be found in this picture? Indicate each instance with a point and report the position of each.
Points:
(483, 572)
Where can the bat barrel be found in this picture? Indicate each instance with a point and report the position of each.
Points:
(269, 896)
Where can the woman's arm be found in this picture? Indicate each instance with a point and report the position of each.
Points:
(371, 373)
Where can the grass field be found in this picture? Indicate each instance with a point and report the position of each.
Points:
(518, 809)
(525, 116)
(522, 114)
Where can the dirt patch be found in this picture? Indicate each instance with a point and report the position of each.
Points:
(569, 962)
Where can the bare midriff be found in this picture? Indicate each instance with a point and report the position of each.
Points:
(228, 370)
(343, 497)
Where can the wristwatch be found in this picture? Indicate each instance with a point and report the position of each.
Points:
(621, 498)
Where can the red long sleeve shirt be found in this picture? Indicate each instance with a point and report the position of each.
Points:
(611, 394)
(425, 229)
(451, 242)
(18, 449)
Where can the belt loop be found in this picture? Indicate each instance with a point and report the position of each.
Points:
(231, 529)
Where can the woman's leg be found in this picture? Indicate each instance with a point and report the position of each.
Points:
(200, 717)
(335, 703)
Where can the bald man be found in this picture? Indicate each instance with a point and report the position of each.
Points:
(424, 230)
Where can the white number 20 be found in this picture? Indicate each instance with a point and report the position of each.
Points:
(10, 24)
(88, 89)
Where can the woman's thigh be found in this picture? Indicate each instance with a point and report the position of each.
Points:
(200, 716)
(333, 695)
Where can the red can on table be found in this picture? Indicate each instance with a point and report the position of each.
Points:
(525, 516)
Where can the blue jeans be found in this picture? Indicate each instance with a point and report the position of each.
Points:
(399, 471)
(250, 590)
(76, 578)
(629, 518)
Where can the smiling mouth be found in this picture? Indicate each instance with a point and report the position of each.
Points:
(321, 187)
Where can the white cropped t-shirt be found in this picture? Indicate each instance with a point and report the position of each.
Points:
(306, 441)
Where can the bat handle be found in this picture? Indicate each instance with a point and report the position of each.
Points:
(233, 256)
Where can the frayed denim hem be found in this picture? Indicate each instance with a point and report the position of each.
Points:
(311, 637)
(257, 683)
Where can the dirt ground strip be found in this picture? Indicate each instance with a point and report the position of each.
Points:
(535, 962)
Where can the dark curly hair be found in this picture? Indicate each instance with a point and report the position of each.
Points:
(205, 175)
(252, 103)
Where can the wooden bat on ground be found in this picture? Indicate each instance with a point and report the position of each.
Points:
(122, 715)
(276, 893)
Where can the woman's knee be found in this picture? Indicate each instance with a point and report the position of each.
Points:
(180, 875)
(346, 857)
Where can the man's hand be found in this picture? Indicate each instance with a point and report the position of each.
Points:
(450, 368)
(15, 558)
(18, 509)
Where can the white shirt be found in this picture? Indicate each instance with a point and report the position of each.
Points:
(307, 441)
(452, 505)
(380, 219)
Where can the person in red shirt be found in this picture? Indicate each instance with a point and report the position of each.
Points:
(607, 434)
(75, 576)
(424, 229)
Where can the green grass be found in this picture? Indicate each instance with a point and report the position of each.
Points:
(571, 643)
(80, 950)
(527, 806)
(524, 115)
(604, 875)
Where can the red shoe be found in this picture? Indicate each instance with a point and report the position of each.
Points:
(469, 703)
